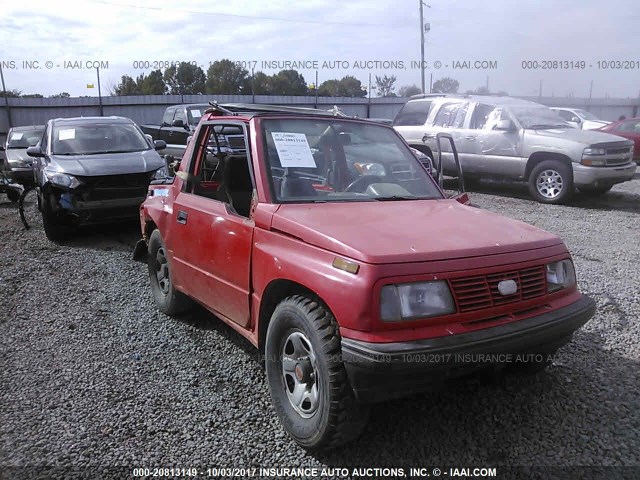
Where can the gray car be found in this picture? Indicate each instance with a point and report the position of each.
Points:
(17, 164)
(509, 138)
(93, 170)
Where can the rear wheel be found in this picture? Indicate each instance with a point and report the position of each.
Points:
(307, 379)
(551, 182)
(167, 298)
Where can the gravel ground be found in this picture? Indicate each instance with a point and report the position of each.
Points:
(93, 376)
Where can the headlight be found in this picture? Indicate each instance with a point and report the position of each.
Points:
(63, 180)
(560, 275)
(591, 151)
(369, 169)
(161, 173)
(415, 300)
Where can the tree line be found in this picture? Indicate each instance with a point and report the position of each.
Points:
(225, 77)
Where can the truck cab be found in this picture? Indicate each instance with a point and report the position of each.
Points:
(329, 247)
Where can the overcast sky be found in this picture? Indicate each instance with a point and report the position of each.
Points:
(508, 32)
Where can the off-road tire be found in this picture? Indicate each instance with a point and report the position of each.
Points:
(338, 418)
(557, 171)
(168, 300)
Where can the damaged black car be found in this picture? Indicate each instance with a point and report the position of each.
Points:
(93, 170)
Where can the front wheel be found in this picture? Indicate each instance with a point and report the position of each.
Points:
(13, 195)
(169, 300)
(53, 229)
(306, 377)
(551, 182)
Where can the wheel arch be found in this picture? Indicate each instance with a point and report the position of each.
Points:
(538, 157)
(276, 291)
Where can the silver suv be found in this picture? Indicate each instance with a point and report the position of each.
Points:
(510, 138)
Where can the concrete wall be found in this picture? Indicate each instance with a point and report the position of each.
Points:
(149, 109)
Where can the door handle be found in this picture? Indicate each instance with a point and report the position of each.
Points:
(470, 137)
(182, 217)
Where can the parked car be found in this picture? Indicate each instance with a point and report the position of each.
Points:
(628, 128)
(509, 138)
(16, 163)
(358, 286)
(92, 170)
(178, 123)
(580, 118)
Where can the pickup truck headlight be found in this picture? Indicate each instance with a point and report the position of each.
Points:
(407, 301)
(560, 275)
(63, 180)
(589, 153)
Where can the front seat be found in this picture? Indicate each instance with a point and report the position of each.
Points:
(236, 187)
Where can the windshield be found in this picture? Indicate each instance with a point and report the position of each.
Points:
(537, 116)
(194, 112)
(96, 138)
(24, 138)
(330, 160)
(586, 115)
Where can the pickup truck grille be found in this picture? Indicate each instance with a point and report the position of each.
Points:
(480, 292)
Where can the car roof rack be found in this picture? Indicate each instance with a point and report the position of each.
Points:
(235, 109)
(436, 95)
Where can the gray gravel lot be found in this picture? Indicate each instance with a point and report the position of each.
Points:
(91, 375)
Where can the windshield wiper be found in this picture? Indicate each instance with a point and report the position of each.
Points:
(395, 197)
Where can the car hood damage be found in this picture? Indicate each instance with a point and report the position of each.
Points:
(107, 163)
(384, 232)
(586, 137)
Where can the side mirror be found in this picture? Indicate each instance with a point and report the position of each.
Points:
(35, 152)
(505, 125)
(575, 120)
(159, 144)
(178, 123)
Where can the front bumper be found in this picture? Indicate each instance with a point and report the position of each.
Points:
(23, 176)
(379, 371)
(602, 176)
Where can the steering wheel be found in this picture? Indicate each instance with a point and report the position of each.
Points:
(360, 184)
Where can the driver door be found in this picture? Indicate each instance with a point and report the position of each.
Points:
(212, 241)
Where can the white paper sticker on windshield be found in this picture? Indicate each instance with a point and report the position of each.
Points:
(16, 136)
(196, 113)
(293, 149)
(66, 134)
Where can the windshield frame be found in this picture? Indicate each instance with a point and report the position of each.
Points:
(57, 127)
(262, 134)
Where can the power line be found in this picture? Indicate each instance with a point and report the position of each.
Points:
(252, 17)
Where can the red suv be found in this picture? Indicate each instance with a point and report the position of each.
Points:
(327, 244)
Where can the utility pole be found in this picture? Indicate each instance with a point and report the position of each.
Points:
(253, 91)
(316, 88)
(421, 45)
(99, 93)
(423, 27)
(6, 99)
(369, 99)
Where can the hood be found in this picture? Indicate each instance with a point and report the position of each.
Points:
(407, 231)
(586, 137)
(19, 154)
(107, 164)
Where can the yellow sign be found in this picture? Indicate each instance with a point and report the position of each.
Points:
(89, 85)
